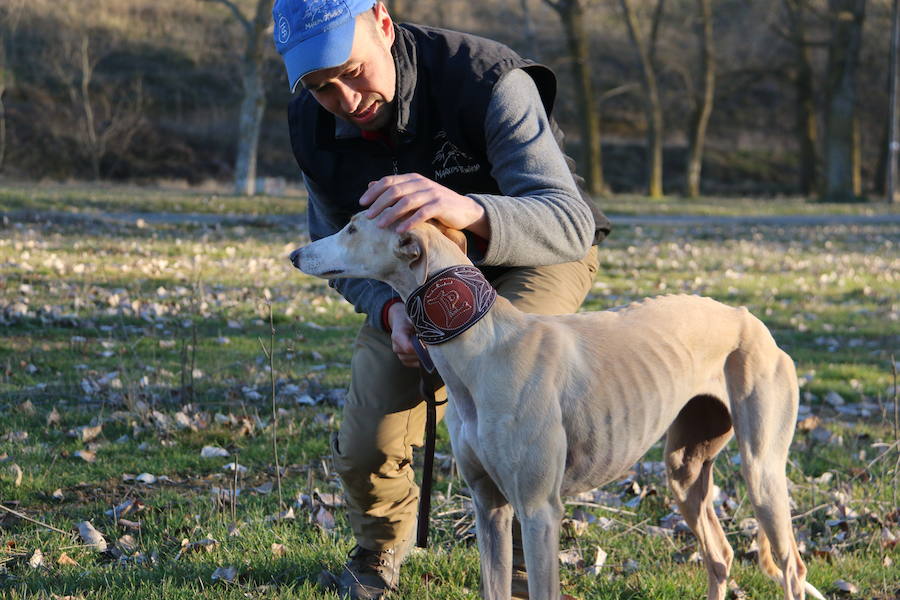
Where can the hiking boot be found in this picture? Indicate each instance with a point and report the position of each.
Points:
(368, 575)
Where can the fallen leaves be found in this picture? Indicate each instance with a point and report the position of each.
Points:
(213, 452)
(224, 574)
(91, 537)
(86, 455)
(16, 472)
(86, 433)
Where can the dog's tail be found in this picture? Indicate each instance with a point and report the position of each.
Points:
(768, 566)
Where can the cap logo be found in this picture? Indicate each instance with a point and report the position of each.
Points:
(284, 29)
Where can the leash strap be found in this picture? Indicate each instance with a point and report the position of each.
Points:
(429, 382)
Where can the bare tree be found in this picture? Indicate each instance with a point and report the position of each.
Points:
(571, 13)
(10, 13)
(703, 101)
(842, 165)
(5, 82)
(253, 104)
(804, 89)
(528, 26)
(652, 101)
(100, 118)
(399, 9)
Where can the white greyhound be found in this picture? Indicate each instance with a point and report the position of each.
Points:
(547, 406)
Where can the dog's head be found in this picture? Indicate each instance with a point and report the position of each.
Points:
(363, 250)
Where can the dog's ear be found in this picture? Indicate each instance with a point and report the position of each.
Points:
(454, 235)
(412, 248)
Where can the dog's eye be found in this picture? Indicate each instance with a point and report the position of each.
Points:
(351, 229)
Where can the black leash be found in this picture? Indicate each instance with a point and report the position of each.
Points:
(430, 381)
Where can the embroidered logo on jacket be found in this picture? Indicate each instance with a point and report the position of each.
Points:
(450, 160)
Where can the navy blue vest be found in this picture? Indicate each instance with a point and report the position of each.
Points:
(444, 84)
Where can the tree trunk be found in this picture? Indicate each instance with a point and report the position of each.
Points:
(571, 13)
(95, 153)
(254, 102)
(805, 126)
(841, 161)
(530, 36)
(703, 103)
(399, 10)
(4, 75)
(653, 106)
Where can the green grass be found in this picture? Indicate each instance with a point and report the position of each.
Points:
(113, 198)
(126, 326)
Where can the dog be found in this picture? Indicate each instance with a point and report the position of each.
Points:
(547, 406)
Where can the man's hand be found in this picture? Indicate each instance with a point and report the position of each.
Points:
(402, 333)
(412, 199)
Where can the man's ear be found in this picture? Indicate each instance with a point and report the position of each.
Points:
(412, 249)
(454, 235)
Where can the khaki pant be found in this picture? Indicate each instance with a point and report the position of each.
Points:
(384, 416)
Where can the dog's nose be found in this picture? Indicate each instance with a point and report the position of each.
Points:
(295, 257)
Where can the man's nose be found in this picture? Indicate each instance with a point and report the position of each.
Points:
(295, 257)
(349, 98)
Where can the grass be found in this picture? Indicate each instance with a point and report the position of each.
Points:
(127, 326)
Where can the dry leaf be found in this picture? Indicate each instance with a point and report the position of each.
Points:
(65, 560)
(324, 518)
(86, 433)
(126, 507)
(146, 478)
(91, 536)
(37, 559)
(16, 471)
(845, 587)
(599, 561)
(226, 574)
(287, 514)
(127, 544)
(278, 550)
(328, 499)
(809, 423)
(136, 525)
(57, 494)
(53, 417)
(86, 456)
(571, 557)
(265, 488)
(213, 452)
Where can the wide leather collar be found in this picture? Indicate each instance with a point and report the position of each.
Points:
(449, 302)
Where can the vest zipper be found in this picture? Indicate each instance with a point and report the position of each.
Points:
(396, 170)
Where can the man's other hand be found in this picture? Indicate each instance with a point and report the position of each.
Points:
(411, 199)
(402, 333)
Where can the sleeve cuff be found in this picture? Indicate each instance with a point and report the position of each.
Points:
(384, 313)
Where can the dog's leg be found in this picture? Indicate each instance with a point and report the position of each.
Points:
(701, 429)
(540, 537)
(764, 417)
(493, 520)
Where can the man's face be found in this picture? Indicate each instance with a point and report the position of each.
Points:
(361, 91)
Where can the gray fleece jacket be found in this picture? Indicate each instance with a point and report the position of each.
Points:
(540, 218)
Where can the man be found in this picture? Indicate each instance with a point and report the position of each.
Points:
(412, 123)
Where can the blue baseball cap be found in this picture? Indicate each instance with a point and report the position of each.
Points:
(315, 34)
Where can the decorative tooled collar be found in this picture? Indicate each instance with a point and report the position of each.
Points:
(449, 302)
